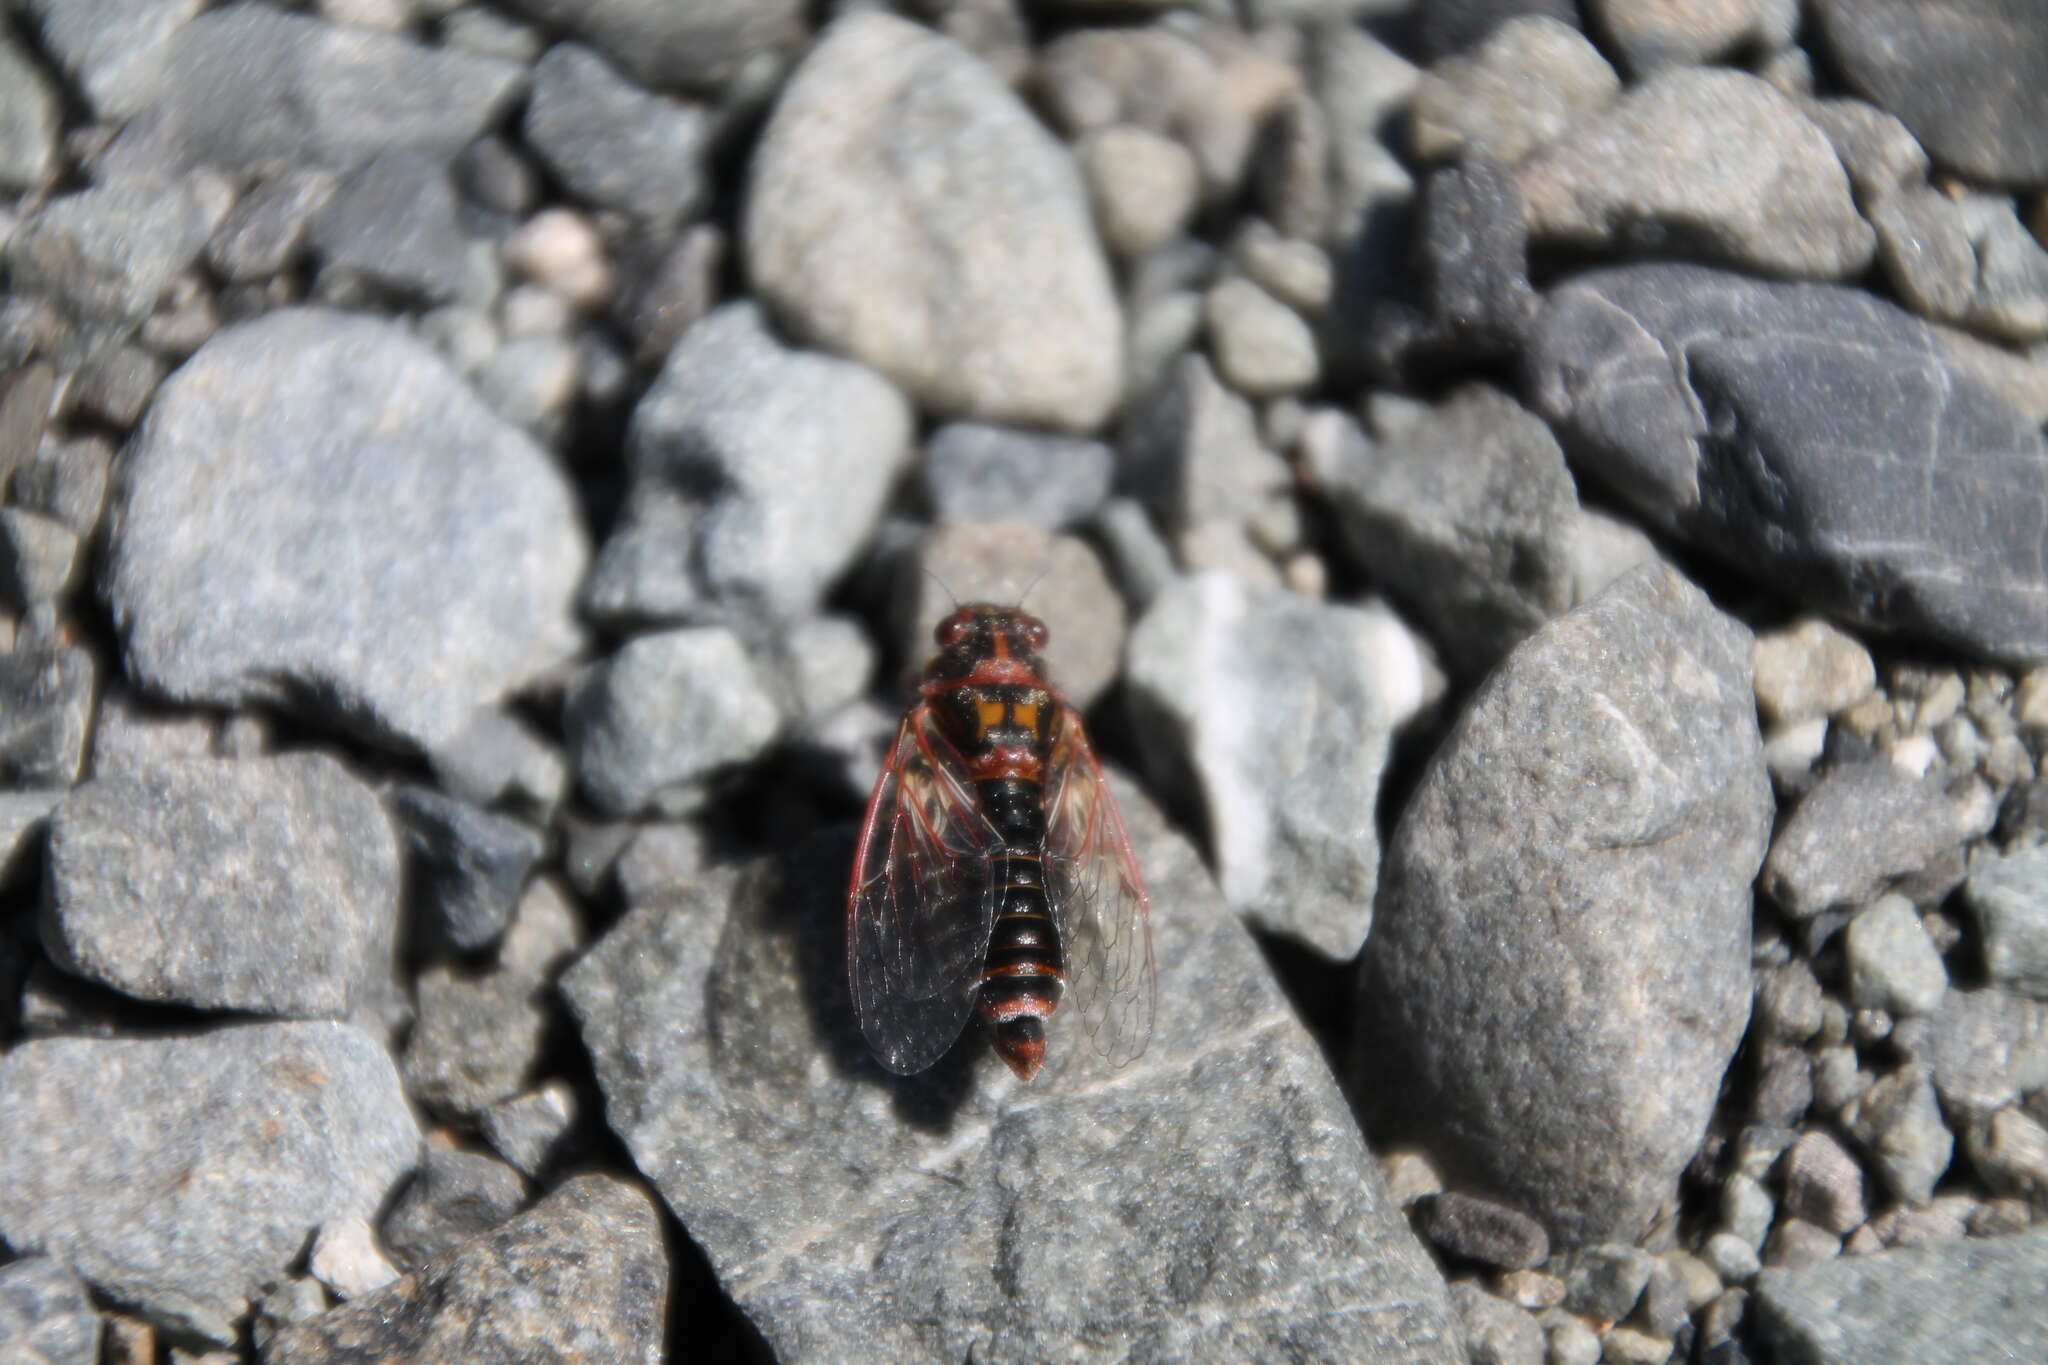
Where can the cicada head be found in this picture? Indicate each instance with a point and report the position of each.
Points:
(982, 632)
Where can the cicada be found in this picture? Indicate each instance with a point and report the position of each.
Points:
(994, 876)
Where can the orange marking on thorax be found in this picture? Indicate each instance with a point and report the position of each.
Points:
(1007, 761)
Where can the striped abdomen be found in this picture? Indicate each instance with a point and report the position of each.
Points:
(1021, 981)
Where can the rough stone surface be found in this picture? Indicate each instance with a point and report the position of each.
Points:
(179, 1175)
(29, 119)
(1480, 1230)
(613, 145)
(1814, 436)
(45, 1317)
(1713, 163)
(2009, 898)
(1522, 88)
(318, 514)
(759, 471)
(975, 472)
(701, 45)
(1262, 347)
(391, 224)
(104, 256)
(1988, 1049)
(246, 86)
(1496, 1332)
(1823, 1183)
(1892, 964)
(1656, 35)
(1261, 709)
(346, 1258)
(1965, 75)
(1607, 1280)
(1144, 185)
(1809, 670)
(476, 1039)
(583, 1276)
(1862, 826)
(268, 885)
(1467, 518)
(528, 1129)
(859, 1217)
(1964, 1299)
(1898, 1124)
(1016, 319)
(45, 710)
(453, 1197)
(1562, 931)
(664, 713)
(470, 864)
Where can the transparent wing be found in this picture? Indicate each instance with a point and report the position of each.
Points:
(922, 900)
(1098, 900)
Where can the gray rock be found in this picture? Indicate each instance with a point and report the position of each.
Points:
(1823, 1183)
(1192, 452)
(733, 1068)
(499, 757)
(29, 119)
(1988, 1049)
(1861, 827)
(759, 473)
(265, 885)
(1144, 185)
(1942, 1301)
(1514, 988)
(116, 385)
(1059, 578)
(1967, 76)
(38, 556)
(453, 1197)
(1653, 36)
(1260, 709)
(1296, 272)
(1713, 163)
(1522, 88)
(130, 734)
(2008, 897)
(248, 87)
(67, 481)
(1892, 964)
(476, 1040)
(104, 256)
(25, 395)
(1017, 320)
(1483, 1231)
(1568, 1341)
(1607, 1280)
(180, 1175)
(1360, 85)
(665, 296)
(662, 714)
(528, 1130)
(611, 144)
(45, 1317)
(700, 45)
(468, 864)
(1809, 670)
(346, 1258)
(1735, 414)
(1731, 1257)
(24, 816)
(1788, 1002)
(1796, 1242)
(317, 513)
(829, 662)
(1496, 1331)
(1447, 26)
(391, 224)
(975, 472)
(1879, 153)
(1784, 1087)
(1263, 348)
(45, 708)
(1467, 518)
(114, 50)
(2009, 1152)
(1898, 1124)
(583, 1276)
(1923, 241)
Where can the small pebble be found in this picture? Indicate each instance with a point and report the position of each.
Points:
(1262, 346)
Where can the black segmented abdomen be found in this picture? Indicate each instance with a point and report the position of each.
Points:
(1021, 981)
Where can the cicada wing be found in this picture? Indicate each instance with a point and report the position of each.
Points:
(1098, 900)
(922, 900)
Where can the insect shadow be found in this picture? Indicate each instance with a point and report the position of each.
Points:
(788, 922)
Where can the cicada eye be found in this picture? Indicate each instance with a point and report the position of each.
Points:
(953, 629)
(1034, 633)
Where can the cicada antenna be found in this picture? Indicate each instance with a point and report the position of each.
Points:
(1035, 581)
(943, 588)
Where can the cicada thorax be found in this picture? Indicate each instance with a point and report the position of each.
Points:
(1003, 730)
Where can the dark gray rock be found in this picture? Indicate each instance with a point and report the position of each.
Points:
(24, 816)
(1496, 1331)
(529, 1129)
(1481, 1230)
(248, 87)
(1898, 1124)
(45, 1317)
(975, 472)
(1964, 1299)
(698, 45)
(1528, 82)
(1467, 518)
(1514, 988)
(318, 514)
(759, 472)
(1607, 1280)
(114, 50)
(2008, 897)
(29, 120)
(1363, 88)
(611, 144)
(453, 1197)
(469, 864)
(960, 1212)
(1861, 827)
(45, 708)
(391, 224)
(1471, 250)
(1813, 436)
(1988, 1049)
(1969, 77)
(1771, 197)
(116, 385)
(663, 294)
(1017, 319)
(265, 885)
(476, 1040)
(181, 1175)
(583, 1276)
(649, 724)
(1263, 712)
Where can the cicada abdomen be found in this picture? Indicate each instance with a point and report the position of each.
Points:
(993, 875)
